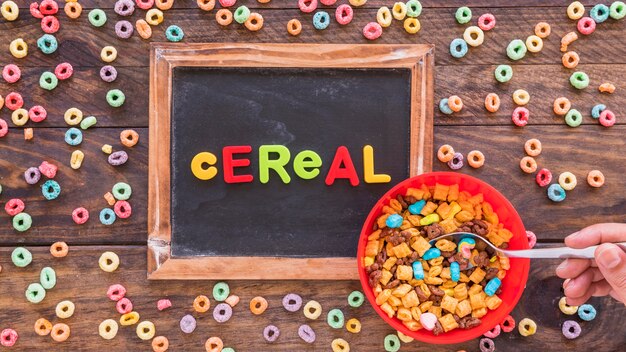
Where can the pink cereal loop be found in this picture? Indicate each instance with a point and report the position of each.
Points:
(372, 30)
(227, 3)
(8, 337)
(34, 10)
(116, 292)
(64, 70)
(124, 306)
(344, 14)
(37, 113)
(163, 304)
(493, 333)
(145, 4)
(520, 116)
(4, 128)
(532, 240)
(586, 25)
(486, 22)
(11, 73)
(80, 215)
(307, 6)
(328, 2)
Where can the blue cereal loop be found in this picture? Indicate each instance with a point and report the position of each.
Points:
(417, 207)
(599, 13)
(492, 286)
(458, 48)
(174, 33)
(556, 193)
(73, 136)
(51, 189)
(418, 270)
(587, 312)
(321, 20)
(596, 110)
(107, 216)
(431, 254)
(47, 43)
(443, 106)
(455, 271)
(394, 221)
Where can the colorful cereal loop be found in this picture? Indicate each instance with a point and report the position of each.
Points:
(356, 299)
(21, 257)
(567, 180)
(129, 319)
(573, 118)
(473, 36)
(503, 73)
(570, 59)
(174, 33)
(60, 332)
(344, 14)
(520, 116)
(9, 10)
(463, 15)
(595, 178)
(22, 222)
(528, 164)
(586, 25)
(19, 117)
(312, 310)
(561, 106)
(392, 343)
(255, 22)
(556, 193)
(97, 17)
(532, 147)
(571, 329)
(206, 5)
(607, 118)
(59, 249)
(43, 327)
(542, 30)
(599, 13)
(534, 44)
(458, 48)
(145, 330)
(213, 344)
(321, 20)
(201, 304)
(108, 329)
(455, 103)
(486, 22)
(335, 319)
(372, 31)
(294, 27)
(492, 102)
(617, 11)
(340, 345)
(353, 326)
(399, 11)
(224, 17)
(65, 309)
(411, 25)
(47, 278)
(508, 324)
(413, 8)
(516, 50)
(475, 159)
(18, 48)
(527, 327)
(307, 6)
(109, 262)
(384, 17)
(445, 153)
(258, 305)
(575, 10)
(587, 312)
(73, 10)
(521, 97)
(161, 344)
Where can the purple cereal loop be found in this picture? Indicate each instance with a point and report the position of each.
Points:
(292, 302)
(124, 29)
(188, 324)
(487, 345)
(32, 175)
(222, 312)
(124, 7)
(571, 329)
(456, 162)
(532, 238)
(108, 73)
(271, 333)
(306, 333)
(118, 158)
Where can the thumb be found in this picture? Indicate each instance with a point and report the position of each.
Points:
(611, 261)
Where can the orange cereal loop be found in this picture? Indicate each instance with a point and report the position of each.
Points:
(595, 178)
(60, 332)
(59, 249)
(43, 327)
(455, 103)
(164, 4)
(254, 22)
(258, 305)
(542, 30)
(213, 344)
(532, 147)
(570, 59)
(129, 138)
(445, 153)
(528, 164)
(607, 88)
(224, 17)
(264, 1)
(143, 28)
(73, 10)
(160, 344)
(475, 159)
(201, 304)
(206, 5)
(568, 39)
(492, 102)
(294, 27)
(562, 106)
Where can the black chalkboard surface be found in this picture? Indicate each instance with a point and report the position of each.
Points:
(301, 108)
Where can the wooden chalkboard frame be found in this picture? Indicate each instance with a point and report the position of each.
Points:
(165, 56)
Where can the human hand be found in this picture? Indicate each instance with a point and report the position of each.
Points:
(606, 275)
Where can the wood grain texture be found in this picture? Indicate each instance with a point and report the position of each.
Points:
(80, 280)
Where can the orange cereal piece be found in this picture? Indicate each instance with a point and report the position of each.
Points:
(160, 344)
(562, 106)
(59, 249)
(73, 9)
(445, 153)
(201, 304)
(263, 1)
(475, 159)
(224, 17)
(43, 327)
(258, 305)
(129, 138)
(143, 28)
(294, 27)
(532, 147)
(570, 59)
(60, 332)
(455, 103)
(568, 39)
(206, 5)
(607, 88)
(28, 134)
(542, 30)
(254, 22)
(528, 164)
(109, 198)
(492, 102)
(213, 344)
(595, 178)
(164, 4)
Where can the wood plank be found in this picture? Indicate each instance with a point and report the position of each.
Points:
(81, 47)
(79, 279)
(575, 150)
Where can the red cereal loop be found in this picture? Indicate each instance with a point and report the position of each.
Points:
(80, 215)
(144, 4)
(544, 177)
(344, 14)
(328, 2)
(14, 206)
(4, 128)
(508, 324)
(50, 24)
(520, 116)
(48, 7)
(124, 306)
(11, 73)
(48, 170)
(8, 337)
(486, 22)
(116, 292)
(227, 3)
(122, 209)
(163, 304)
(607, 118)
(34, 10)
(64, 70)
(13, 101)
(586, 25)
(37, 113)
(372, 31)
(306, 6)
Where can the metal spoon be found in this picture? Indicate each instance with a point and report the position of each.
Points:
(556, 252)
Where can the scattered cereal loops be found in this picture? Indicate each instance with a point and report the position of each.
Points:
(487, 345)
(413, 8)
(4, 128)
(48, 7)
(108, 329)
(607, 88)
(116, 292)
(516, 50)
(534, 44)
(573, 118)
(384, 17)
(11, 73)
(73, 10)
(595, 178)
(521, 97)
(335, 319)
(355, 299)
(122, 191)
(97, 17)
(392, 343)
(493, 333)
(306, 333)
(532, 147)
(213, 344)
(8, 337)
(73, 116)
(73, 136)
(122, 209)
(22, 222)
(63, 71)
(164, 4)
(271, 333)
(230, 349)
(586, 25)
(458, 48)
(59, 249)
(124, 306)
(312, 310)
(607, 118)
(571, 329)
(463, 15)
(561, 106)
(144, 4)
(161, 344)
(503, 73)
(353, 326)
(34, 10)
(188, 324)
(108, 73)
(118, 158)
(475, 159)
(528, 164)
(47, 278)
(129, 138)
(456, 162)
(48, 80)
(292, 302)
(201, 304)
(599, 13)
(324, 2)
(144, 29)
(222, 313)
(340, 345)
(567, 180)
(520, 116)
(124, 7)
(35, 293)
(487, 22)
(398, 11)
(18, 48)
(372, 31)
(32, 175)
(109, 262)
(575, 10)
(14, 101)
(206, 5)
(60, 332)
(579, 80)
(473, 36)
(65, 309)
(542, 30)
(21, 257)
(444, 107)
(145, 330)
(617, 11)
(9, 10)
(123, 29)
(544, 177)
(129, 319)
(556, 193)
(587, 312)
(43, 327)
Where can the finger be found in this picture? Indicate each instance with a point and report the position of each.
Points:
(596, 234)
(611, 261)
(597, 289)
(578, 287)
(571, 268)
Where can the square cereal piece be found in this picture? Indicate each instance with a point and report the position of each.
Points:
(460, 291)
(427, 192)
(441, 192)
(416, 313)
(505, 234)
(437, 311)
(479, 313)
(367, 261)
(404, 314)
(406, 224)
(494, 238)
(433, 280)
(448, 225)
(420, 245)
(385, 307)
(449, 303)
(455, 208)
(404, 272)
(415, 193)
(464, 216)
(412, 325)
(402, 250)
(382, 221)
(475, 289)
(410, 300)
(388, 210)
(493, 302)
(477, 301)
(429, 208)
(463, 308)
(443, 210)
(374, 235)
(394, 301)
(477, 199)
(453, 192)
(414, 219)
(425, 306)
(371, 249)
(393, 203)
(448, 322)
(385, 277)
(477, 276)
(390, 262)
(383, 297)
(401, 290)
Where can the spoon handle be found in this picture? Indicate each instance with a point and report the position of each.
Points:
(557, 252)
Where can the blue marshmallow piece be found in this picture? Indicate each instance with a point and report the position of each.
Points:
(431, 254)
(418, 270)
(492, 286)
(394, 221)
(417, 207)
(455, 271)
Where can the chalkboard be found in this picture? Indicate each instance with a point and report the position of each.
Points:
(307, 107)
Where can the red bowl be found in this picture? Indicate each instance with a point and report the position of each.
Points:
(514, 282)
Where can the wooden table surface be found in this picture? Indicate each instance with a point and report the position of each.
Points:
(578, 150)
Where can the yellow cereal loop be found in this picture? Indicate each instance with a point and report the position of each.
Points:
(76, 160)
(534, 44)
(73, 116)
(412, 25)
(312, 310)
(340, 345)
(43, 327)
(108, 329)
(474, 36)
(9, 10)
(527, 327)
(521, 97)
(108, 54)
(404, 338)
(567, 180)
(575, 10)
(109, 262)
(353, 325)
(65, 309)
(19, 117)
(18, 48)
(566, 308)
(399, 11)
(154, 17)
(145, 330)
(383, 17)
(357, 3)
(129, 319)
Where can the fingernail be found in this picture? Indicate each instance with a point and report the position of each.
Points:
(609, 257)
(562, 265)
(566, 283)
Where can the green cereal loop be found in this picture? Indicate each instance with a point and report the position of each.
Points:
(579, 80)
(573, 118)
(174, 33)
(48, 278)
(88, 121)
(21, 257)
(35, 293)
(97, 18)
(122, 191)
(228, 349)
(617, 11)
(463, 15)
(221, 291)
(241, 14)
(392, 343)
(414, 8)
(47, 43)
(48, 80)
(503, 73)
(22, 222)
(115, 98)
(516, 49)
(335, 318)
(356, 299)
